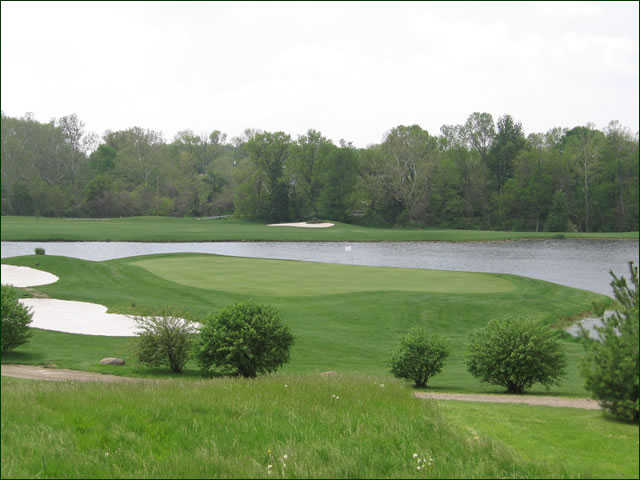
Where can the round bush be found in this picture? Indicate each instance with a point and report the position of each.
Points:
(15, 320)
(419, 356)
(516, 355)
(164, 339)
(611, 365)
(244, 339)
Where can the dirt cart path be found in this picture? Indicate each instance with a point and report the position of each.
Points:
(60, 374)
(527, 399)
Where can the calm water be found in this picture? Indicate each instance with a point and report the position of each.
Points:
(576, 263)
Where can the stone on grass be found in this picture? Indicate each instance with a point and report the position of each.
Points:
(112, 361)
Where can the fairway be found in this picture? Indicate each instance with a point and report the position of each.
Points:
(292, 278)
(172, 229)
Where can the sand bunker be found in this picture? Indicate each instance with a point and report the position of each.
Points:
(25, 276)
(65, 315)
(78, 317)
(302, 225)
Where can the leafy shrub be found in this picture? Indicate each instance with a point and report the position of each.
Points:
(165, 339)
(39, 251)
(15, 319)
(516, 354)
(419, 356)
(610, 366)
(244, 339)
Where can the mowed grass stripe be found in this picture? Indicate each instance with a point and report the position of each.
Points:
(294, 278)
(172, 229)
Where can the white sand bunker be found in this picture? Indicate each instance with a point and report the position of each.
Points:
(78, 317)
(302, 224)
(25, 276)
(81, 317)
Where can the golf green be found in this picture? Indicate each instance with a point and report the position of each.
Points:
(294, 278)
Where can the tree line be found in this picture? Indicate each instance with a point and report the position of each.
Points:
(480, 174)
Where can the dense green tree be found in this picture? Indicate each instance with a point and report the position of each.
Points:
(506, 145)
(268, 154)
(307, 165)
(479, 132)
(473, 175)
(583, 145)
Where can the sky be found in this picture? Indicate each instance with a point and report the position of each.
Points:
(352, 71)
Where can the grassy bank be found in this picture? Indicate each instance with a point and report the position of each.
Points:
(349, 321)
(170, 229)
(549, 435)
(344, 427)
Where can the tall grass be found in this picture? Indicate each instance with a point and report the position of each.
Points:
(312, 427)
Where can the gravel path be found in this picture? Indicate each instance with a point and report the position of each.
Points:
(528, 399)
(60, 374)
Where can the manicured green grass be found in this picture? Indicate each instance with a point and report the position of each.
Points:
(328, 427)
(170, 229)
(346, 332)
(275, 277)
(586, 442)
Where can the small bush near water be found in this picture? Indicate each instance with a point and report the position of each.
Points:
(165, 339)
(611, 365)
(39, 251)
(244, 339)
(419, 356)
(15, 320)
(516, 355)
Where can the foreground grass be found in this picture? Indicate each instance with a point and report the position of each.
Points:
(171, 229)
(337, 329)
(345, 427)
(582, 440)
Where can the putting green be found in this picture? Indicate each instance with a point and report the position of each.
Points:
(263, 277)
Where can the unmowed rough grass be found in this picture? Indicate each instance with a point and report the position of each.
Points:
(172, 229)
(311, 427)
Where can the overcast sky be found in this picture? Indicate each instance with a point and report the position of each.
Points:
(350, 70)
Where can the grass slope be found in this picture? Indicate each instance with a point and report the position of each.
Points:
(344, 427)
(170, 229)
(586, 442)
(345, 331)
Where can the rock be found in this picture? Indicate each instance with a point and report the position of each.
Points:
(112, 361)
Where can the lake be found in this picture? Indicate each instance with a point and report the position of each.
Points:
(577, 263)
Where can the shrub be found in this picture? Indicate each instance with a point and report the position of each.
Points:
(15, 319)
(244, 339)
(165, 339)
(419, 356)
(516, 354)
(610, 366)
(39, 251)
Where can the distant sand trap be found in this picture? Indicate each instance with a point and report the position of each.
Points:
(25, 276)
(302, 225)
